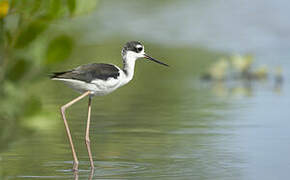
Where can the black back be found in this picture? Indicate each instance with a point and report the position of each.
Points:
(89, 72)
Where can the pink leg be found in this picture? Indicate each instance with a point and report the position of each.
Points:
(91, 174)
(76, 175)
(88, 134)
(63, 108)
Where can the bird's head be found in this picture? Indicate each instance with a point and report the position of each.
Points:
(134, 50)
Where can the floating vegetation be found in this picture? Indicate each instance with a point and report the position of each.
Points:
(217, 71)
(239, 71)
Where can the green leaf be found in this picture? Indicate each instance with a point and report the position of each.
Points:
(33, 106)
(31, 32)
(85, 7)
(59, 49)
(55, 8)
(71, 6)
(8, 37)
(18, 70)
(35, 6)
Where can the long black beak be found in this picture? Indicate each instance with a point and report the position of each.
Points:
(155, 60)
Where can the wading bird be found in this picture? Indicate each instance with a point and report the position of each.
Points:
(98, 79)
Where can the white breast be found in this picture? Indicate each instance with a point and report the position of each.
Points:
(103, 87)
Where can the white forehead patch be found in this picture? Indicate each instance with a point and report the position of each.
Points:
(138, 46)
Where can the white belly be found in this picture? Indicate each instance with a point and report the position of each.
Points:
(97, 87)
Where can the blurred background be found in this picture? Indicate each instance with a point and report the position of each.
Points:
(221, 111)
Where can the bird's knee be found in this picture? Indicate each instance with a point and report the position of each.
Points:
(62, 109)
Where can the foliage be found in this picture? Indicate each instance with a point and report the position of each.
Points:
(58, 49)
(4, 7)
(22, 22)
(29, 45)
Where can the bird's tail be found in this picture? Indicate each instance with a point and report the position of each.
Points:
(57, 74)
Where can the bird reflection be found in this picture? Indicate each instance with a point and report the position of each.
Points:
(76, 175)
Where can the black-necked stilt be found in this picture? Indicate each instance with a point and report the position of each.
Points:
(99, 79)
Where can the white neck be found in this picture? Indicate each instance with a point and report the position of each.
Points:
(129, 60)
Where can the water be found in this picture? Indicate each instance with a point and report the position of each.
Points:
(165, 124)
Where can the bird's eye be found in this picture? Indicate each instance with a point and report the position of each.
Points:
(139, 49)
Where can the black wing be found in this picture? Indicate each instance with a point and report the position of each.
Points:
(89, 72)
